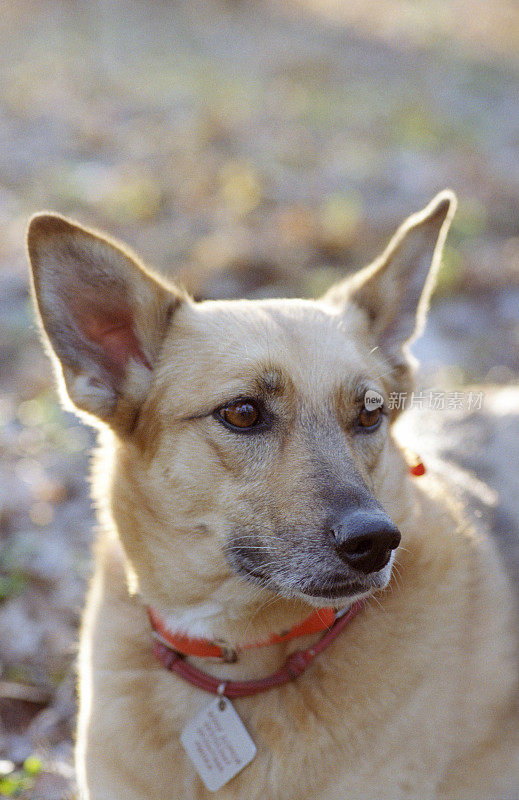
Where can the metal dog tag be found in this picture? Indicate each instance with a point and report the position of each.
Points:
(218, 744)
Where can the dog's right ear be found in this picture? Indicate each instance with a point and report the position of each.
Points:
(103, 314)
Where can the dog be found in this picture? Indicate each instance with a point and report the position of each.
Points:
(260, 527)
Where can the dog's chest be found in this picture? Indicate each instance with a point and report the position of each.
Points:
(314, 738)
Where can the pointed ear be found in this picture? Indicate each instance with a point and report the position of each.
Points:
(394, 291)
(103, 314)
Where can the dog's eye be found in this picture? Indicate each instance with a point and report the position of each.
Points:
(242, 414)
(369, 419)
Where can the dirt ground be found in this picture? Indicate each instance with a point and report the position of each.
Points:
(249, 149)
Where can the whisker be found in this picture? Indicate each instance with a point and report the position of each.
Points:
(377, 601)
(264, 548)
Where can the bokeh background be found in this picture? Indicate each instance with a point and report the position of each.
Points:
(250, 148)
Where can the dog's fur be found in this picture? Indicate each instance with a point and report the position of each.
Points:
(225, 533)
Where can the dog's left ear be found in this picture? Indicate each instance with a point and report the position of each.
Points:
(394, 291)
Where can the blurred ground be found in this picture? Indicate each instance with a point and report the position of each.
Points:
(249, 148)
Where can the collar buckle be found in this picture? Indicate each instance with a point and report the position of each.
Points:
(229, 654)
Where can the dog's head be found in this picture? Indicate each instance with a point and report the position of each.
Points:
(251, 451)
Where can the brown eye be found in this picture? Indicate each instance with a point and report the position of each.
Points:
(369, 418)
(243, 414)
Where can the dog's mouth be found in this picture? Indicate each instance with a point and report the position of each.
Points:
(327, 588)
(347, 589)
(339, 587)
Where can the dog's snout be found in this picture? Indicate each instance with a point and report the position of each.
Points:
(364, 540)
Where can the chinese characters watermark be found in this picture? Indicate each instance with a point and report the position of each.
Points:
(434, 400)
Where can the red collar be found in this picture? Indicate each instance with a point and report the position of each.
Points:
(294, 666)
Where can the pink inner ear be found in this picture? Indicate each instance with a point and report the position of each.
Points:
(113, 331)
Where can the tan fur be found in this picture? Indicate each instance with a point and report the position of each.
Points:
(414, 698)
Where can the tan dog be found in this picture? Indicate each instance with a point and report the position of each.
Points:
(243, 482)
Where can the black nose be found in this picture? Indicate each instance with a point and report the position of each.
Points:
(364, 539)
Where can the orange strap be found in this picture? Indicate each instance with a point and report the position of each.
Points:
(319, 620)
